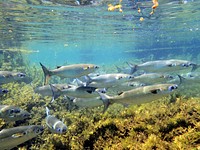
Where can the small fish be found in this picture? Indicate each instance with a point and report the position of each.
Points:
(108, 80)
(12, 137)
(13, 113)
(3, 91)
(152, 78)
(54, 124)
(165, 66)
(139, 95)
(77, 92)
(46, 90)
(9, 76)
(69, 71)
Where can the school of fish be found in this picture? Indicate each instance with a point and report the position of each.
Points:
(136, 84)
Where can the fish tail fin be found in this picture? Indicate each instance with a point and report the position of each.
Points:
(88, 80)
(47, 74)
(194, 67)
(80, 83)
(106, 100)
(47, 111)
(55, 92)
(69, 102)
(118, 69)
(133, 67)
(181, 79)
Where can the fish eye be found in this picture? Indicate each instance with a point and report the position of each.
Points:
(21, 75)
(5, 91)
(184, 65)
(26, 115)
(58, 130)
(130, 77)
(14, 111)
(37, 130)
(171, 88)
(171, 65)
(96, 67)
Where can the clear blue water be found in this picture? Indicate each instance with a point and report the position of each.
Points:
(90, 34)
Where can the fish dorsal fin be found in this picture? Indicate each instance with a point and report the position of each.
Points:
(47, 111)
(57, 67)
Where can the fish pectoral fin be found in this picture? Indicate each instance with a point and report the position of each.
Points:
(85, 68)
(120, 93)
(17, 135)
(58, 67)
(155, 91)
(89, 91)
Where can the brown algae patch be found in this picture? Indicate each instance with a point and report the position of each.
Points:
(169, 123)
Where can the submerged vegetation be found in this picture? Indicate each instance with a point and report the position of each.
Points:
(169, 123)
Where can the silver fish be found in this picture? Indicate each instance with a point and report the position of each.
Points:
(69, 71)
(9, 76)
(139, 95)
(12, 137)
(108, 80)
(165, 65)
(77, 92)
(46, 90)
(3, 91)
(13, 113)
(54, 124)
(152, 78)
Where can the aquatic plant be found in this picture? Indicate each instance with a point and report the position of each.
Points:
(168, 123)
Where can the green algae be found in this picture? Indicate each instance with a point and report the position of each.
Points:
(172, 122)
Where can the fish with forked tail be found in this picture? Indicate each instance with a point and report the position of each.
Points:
(69, 71)
(165, 65)
(12, 137)
(139, 95)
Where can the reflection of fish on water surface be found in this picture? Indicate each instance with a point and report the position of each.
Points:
(69, 71)
(12, 137)
(139, 95)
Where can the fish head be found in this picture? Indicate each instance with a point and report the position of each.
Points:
(34, 130)
(37, 129)
(172, 87)
(187, 64)
(61, 128)
(3, 91)
(19, 75)
(12, 113)
(90, 67)
(163, 88)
